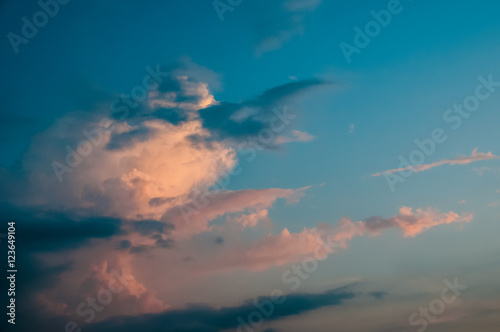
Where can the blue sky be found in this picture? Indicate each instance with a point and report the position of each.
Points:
(225, 81)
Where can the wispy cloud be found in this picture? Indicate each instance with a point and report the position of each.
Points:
(280, 21)
(296, 136)
(460, 160)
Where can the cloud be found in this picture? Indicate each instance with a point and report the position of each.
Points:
(52, 235)
(251, 219)
(297, 136)
(239, 121)
(146, 164)
(280, 21)
(121, 181)
(494, 204)
(194, 216)
(126, 295)
(116, 194)
(56, 231)
(461, 160)
(148, 227)
(123, 192)
(133, 299)
(194, 95)
(412, 223)
(286, 248)
(202, 318)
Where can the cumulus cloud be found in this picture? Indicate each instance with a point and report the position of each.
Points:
(124, 180)
(116, 289)
(108, 192)
(460, 160)
(108, 188)
(141, 166)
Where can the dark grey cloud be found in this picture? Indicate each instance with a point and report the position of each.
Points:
(159, 243)
(202, 318)
(184, 66)
(45, 232)
(148, 227)
(164, 243)
(124, 244)
(172, 79)
(248, 118)
(173, 76)
(174, 116)
(129, 138)
(54, 231)
(158, 201)
(139, 249)
(151, 228)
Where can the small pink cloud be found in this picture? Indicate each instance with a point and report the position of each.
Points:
(415, 222)
(461, 160)
(297, 136)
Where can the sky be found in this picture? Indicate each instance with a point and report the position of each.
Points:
(237, 165)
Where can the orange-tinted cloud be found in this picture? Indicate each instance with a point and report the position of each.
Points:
(194, 216)
(412, 223)
(461, 160)
(286, 248)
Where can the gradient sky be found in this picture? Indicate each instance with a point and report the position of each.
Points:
(209, 207)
